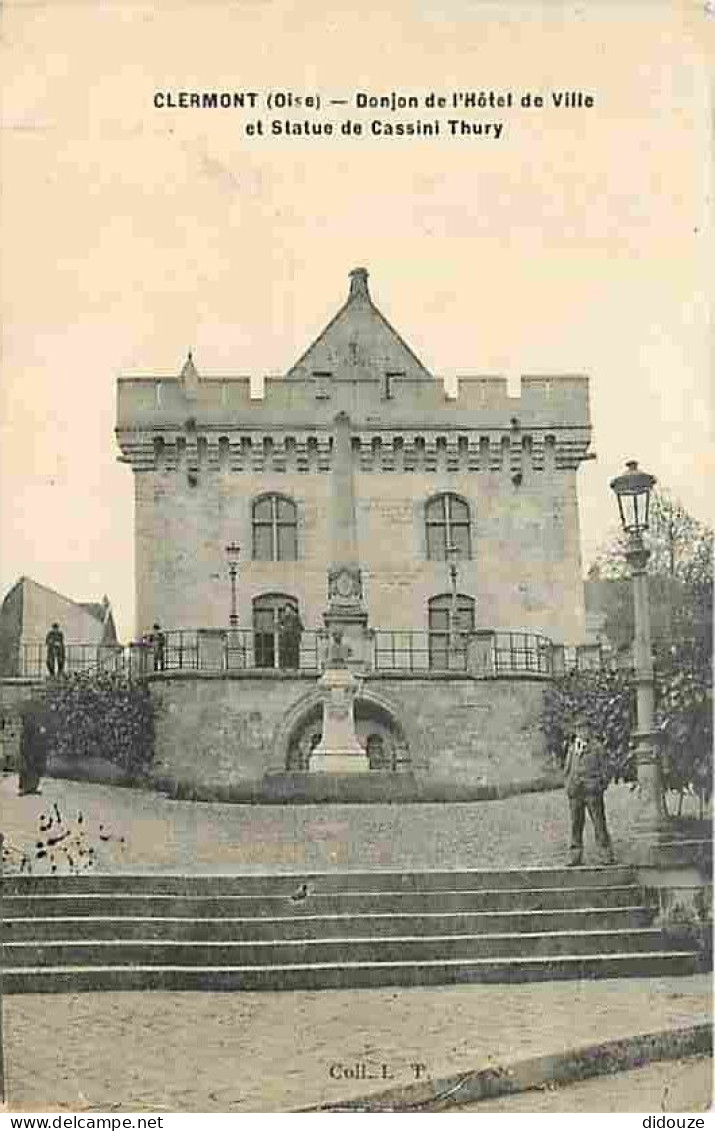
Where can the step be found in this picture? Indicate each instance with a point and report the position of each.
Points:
(323, 883)
(323, 927)
(318, 951)
(361, 902)
(348, 974)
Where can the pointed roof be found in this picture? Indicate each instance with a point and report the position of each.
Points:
(359, 342)
(189, 376)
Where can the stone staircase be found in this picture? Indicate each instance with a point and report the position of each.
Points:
(254, 932)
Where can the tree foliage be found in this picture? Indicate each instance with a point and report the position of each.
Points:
(680, 572)
(680, 546)
(602, 703)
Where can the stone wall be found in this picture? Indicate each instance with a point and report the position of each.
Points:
(462, 733)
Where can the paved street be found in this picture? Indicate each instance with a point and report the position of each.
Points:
(274, 1051)
(669, 1085)
(177, 836)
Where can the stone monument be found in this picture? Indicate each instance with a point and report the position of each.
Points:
(338, 751)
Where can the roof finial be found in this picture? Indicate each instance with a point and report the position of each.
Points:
(188, 376)
(358, 283)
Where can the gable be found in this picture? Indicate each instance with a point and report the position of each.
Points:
(359, 342)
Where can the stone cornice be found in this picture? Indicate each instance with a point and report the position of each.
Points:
(375, 448)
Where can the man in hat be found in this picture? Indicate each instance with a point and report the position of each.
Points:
(34, 749)
(586, 779)
(157, 639)
(55, 643)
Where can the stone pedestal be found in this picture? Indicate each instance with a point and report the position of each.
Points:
(558, 659)
(356, 642)
(339, 751)
(211, 648)
(480, 653)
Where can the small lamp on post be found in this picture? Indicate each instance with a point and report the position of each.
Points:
(452, 553)
(233, 551)
(633, 490)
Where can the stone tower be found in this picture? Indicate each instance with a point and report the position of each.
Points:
(492, 474)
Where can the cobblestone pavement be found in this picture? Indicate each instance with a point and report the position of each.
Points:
(274, 1052)
(669, 1085)
(166, 836)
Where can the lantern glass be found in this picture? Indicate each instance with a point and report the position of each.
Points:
(233, 551)
(633, 489)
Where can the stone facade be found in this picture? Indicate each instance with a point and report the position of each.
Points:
(356, 470)
(203, 450)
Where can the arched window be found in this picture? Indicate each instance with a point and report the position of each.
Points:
(275, 529)
(450, 623)
(277, 631)
(447, 524)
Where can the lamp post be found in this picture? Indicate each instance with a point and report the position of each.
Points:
(452, 555)
(233, 551)
(633, 489)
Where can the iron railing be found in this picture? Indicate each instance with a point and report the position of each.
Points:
(482, 654)
(478, 653)
(234, 649)
(32, 659)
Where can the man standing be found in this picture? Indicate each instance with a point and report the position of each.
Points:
(157, 639)
(586, 779)
(290, 630)
(55, 643)
(34, 740)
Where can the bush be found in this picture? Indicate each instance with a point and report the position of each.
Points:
(103, 714)
(603, 703)
(684, 716)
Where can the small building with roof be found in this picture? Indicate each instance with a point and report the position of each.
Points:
(28, 611)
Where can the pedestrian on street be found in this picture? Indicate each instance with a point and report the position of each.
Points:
(34, 741)
(586, 779)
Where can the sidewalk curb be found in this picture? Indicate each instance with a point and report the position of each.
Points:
(534, 1072)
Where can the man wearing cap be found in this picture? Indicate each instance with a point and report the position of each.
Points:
(586, 779)
(55, 643)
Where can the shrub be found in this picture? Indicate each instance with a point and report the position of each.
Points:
(102, 714)
(603, 703)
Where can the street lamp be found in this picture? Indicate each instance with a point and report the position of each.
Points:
(233, 551)
(633, 489)
(452, 556)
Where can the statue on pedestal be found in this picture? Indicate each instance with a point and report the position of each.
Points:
(338, 751)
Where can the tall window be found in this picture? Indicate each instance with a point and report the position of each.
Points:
(275, 529)
(446, 638)
(276, 632)
(447, 524)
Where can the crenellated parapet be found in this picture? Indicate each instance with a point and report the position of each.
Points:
(215, 424)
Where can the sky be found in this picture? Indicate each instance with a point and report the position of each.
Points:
(580, 241)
